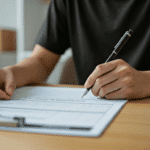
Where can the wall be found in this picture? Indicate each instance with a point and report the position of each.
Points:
(26, 17)
(8, 14)
(8, 20)
(34, 13)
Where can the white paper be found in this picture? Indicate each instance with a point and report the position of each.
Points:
(57, 106)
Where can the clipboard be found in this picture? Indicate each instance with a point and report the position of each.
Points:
(58, 111)
(11, 122)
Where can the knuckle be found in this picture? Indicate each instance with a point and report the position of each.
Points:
(3, 95)
(94, 92)
(99, 81)
(99, 67)
(128, 81)
(125, 71)
(120, 61)
(102, 92)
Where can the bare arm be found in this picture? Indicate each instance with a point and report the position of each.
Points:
(34, 69)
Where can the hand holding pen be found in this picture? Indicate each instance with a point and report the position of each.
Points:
(99, 73)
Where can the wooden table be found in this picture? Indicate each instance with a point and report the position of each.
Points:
(130, 130)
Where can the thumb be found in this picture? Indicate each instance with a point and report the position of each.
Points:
(10, 90)
(10, 85)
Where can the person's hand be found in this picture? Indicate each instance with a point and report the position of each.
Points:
(7, 84)
(118, 80)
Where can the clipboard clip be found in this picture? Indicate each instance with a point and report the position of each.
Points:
(6, 121)
(20, 120)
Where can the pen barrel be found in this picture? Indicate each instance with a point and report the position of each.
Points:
(111, 57)
(117, 48)
(121, 44)
(123, 41)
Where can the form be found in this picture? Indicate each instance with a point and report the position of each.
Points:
(59, 110)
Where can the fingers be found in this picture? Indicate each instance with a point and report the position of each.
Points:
(10, 84)
(118, 89)
(110, 88)
(10, 87)
(118, 94)
(101, 70)
(102, 81)
(110, 78)
(4, 96)
(7, 84)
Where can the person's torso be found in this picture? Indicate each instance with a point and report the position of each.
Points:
(95, 26)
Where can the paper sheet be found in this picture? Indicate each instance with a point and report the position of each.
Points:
(56, 106)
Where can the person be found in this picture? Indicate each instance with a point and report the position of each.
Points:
(91, 29)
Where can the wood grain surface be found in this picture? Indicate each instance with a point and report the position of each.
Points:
(130, 130)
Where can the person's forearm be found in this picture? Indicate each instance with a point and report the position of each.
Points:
(29, 71)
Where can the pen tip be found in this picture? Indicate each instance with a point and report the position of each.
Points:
(84, 93)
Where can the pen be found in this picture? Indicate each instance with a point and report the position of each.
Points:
(116, 50)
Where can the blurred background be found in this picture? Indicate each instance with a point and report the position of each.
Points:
(20, 21)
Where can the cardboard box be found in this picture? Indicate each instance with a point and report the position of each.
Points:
(7, 40)
(46, 1)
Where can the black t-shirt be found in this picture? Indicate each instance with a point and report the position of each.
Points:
(93, 27)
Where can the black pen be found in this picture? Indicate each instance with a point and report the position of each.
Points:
(116, 50)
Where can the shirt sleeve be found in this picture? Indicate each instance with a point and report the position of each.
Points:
(53, 34)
